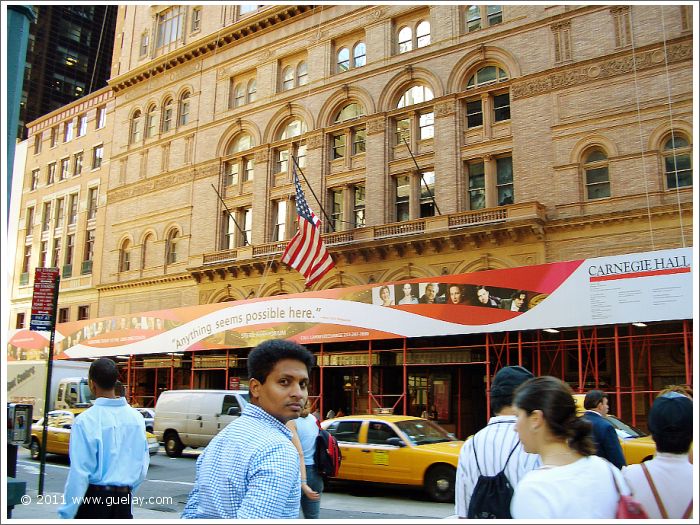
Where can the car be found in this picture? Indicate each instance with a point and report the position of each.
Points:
(148, 416)
(637, 446)
(58, 434)
(400, 450)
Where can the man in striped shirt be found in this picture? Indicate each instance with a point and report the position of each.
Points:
(495, 443)
(250, 470)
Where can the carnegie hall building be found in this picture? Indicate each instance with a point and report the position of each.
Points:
(448, 150)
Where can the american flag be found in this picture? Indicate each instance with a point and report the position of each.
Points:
(306, 252)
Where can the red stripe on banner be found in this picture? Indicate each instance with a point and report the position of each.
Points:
(639, 274)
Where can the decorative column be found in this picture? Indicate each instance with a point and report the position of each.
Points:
(261, 204)
(449, 185)
(377, 197)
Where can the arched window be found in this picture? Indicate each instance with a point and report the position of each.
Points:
(343, 59)
(184, 109)
(350, 111)
(487, 75)
(293, 128)
(151, 121)
(242, 142)
(124, 255)
(405, 39)
(239, 95)
(677, 161)
(245, 165)
(167, 115)
(146, 251)
(171, 246)
(136, 123)
(252, 90)
(359, 54)
(423, 34)
(302, 76)
(415, 95)
(596, 177)
(287, 78)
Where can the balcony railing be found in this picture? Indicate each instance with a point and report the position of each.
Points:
(454, 221)
(23, 278)
(67, 271)
(86, 267)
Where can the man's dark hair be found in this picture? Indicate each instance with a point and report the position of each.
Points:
(104, 373)
(593, 399)
(263, 358)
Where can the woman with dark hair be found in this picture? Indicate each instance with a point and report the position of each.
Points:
(572, 482)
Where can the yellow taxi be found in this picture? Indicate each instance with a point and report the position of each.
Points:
(402, 450)
(58, 434)
(636, 445)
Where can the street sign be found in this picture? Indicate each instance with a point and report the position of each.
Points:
(43, 307)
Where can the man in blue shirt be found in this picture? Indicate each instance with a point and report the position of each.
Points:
(606, 442)
(108, 452)
(250, 470)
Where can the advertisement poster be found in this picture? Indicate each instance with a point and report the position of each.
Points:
(649, 286)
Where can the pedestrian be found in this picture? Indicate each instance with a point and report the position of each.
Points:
(250, 470)
(604, 434)
(664, 484)
(108, 452)
(304, 433)
(496, 447)
(572, 482)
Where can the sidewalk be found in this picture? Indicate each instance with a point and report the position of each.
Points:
(48, 509)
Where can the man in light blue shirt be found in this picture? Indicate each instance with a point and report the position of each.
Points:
(108, 452)
(250, 470)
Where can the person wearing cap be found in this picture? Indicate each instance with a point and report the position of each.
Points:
(493, 445)
(670, 422)
(604, 436)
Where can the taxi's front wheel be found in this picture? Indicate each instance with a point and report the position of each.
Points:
(35, 449)
(440, 483)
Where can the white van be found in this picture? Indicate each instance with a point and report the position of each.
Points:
(191, 418)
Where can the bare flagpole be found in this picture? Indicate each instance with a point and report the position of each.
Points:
(245, 237)
(432, 197)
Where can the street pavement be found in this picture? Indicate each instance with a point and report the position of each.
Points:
(170, 480)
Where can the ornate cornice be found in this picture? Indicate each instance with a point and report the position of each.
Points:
(231, 35)
(137, 283)
(594, 71)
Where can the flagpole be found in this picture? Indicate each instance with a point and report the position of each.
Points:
(432, 197)
(245, 237)
(313, 193)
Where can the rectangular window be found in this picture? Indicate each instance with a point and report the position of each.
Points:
(280, 221)
(301, 156)
(473, 18)
(89, 246)
(475, 115)
(56, 253)
(248, 169)
(403, 193)
(477, 186)
(504, 180)
(196, 19)
(70, 249)
(20, 320)
(427, 194)
(282, 160)
(29, 220)
(339, 146)
(169, 27)
(63, 315)
(247, 226)
(54, 136)
(51, 173)
(35, 180)
(46, 217)
(501, 107)
(403, 130)
(73, 208)
(27, 258)
(37, 143)
(426, 125)
(92, 203)
(82, 125)
(232, 169)
(359, 139)
(68, 131)
(101, 119)
(359, 206)
(167, 116)
(336, 201)
(143, 46)
(43, 254)
(494, 14)
(247, 8)
(230, 235)
(77, 164)
(64, 170)
(97, 153)
(60, 210)
(83, 312)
